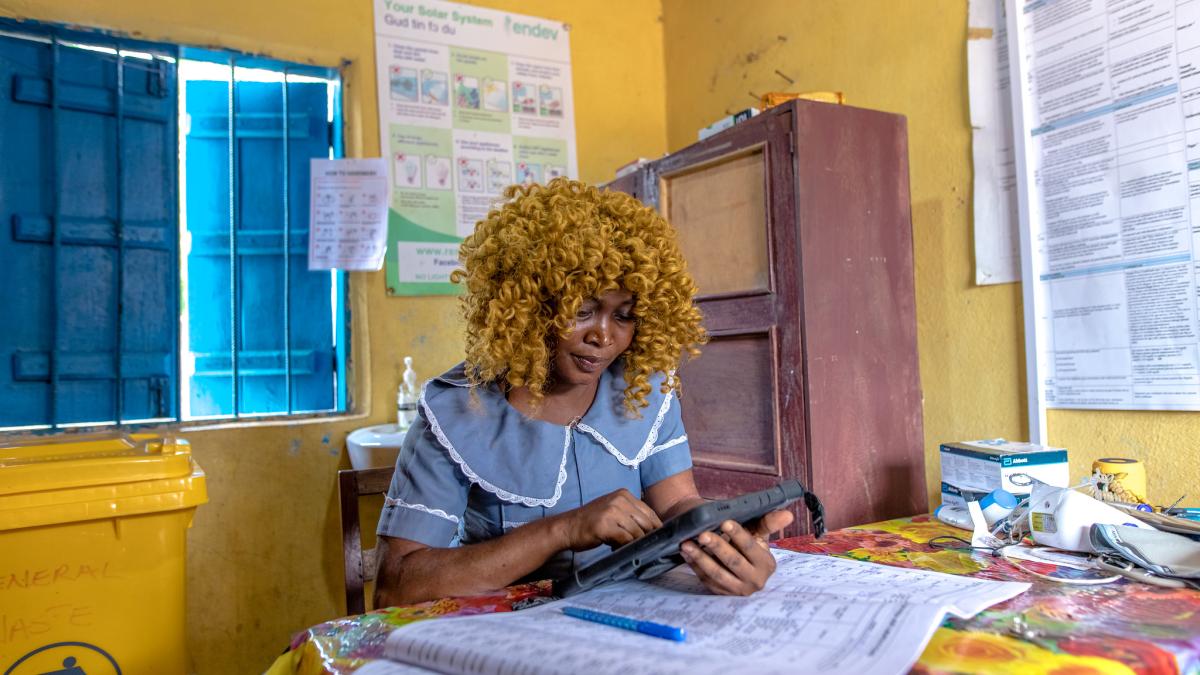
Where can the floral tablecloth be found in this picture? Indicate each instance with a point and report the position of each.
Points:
(1052, 629)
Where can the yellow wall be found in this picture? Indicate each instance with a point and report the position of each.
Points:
(909, 58)
(265, 559)
(265, 552)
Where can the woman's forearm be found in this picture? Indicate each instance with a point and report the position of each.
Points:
(682, 506)
(431, 573)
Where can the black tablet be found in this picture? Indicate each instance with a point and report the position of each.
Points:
(658, 551)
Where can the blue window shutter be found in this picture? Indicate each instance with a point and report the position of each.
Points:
(280, 331)
(312, 317)
(260, 255)
(26, 258)
(209, 294)
(149, 312)
(88, 248)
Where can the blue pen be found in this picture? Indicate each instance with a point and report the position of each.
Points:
(646, 627)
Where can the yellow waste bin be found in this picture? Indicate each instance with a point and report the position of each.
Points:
(92, 545)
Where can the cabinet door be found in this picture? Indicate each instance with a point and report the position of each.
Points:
(859, 313)
(731, 200)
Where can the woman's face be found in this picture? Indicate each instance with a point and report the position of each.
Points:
(603, 330)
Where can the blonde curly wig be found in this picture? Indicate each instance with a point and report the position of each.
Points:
(546, 249)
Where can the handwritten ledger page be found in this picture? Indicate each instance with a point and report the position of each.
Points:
(817, 614)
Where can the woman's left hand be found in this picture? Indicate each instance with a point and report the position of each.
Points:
(738, 563)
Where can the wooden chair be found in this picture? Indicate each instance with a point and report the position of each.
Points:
(360, 564)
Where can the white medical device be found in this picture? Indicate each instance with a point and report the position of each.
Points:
(1062, 517)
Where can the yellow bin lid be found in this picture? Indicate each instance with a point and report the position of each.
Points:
(71, 479)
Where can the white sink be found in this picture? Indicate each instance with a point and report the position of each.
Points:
(377, 446)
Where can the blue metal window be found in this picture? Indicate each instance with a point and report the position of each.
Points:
(88, 242)
(94, 181)
(257, 341)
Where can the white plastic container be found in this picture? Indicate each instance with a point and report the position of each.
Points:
(997, 504)
(407, 395)
(374, 447)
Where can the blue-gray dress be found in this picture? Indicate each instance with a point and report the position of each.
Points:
(473, 468)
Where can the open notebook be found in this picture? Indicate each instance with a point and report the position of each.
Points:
(817, 614)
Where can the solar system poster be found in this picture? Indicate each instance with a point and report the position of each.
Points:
(471, 100)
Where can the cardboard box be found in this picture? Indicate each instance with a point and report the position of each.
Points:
(952, 495)
(726, 122)
(986, 465)
(774, 98)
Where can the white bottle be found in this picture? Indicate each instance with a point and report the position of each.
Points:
(997, 504)
(406, 396)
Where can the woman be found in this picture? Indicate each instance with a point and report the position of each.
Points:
(560, 436)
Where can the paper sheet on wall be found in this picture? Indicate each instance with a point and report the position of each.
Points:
(817, 614)
(347, 214)
(1112, 116)
(471, 100)
(997, 258)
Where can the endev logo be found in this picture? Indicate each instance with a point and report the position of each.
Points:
(535, 30)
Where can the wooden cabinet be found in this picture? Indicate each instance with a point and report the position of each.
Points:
(796, 227)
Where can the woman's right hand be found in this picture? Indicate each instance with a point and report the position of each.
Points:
(615, 519)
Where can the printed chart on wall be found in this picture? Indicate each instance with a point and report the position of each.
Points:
(997, 252)
(1110, 93)
(471, 100)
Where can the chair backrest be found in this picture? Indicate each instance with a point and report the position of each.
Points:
(360, 564)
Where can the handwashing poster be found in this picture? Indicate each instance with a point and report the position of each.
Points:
(471, 100)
